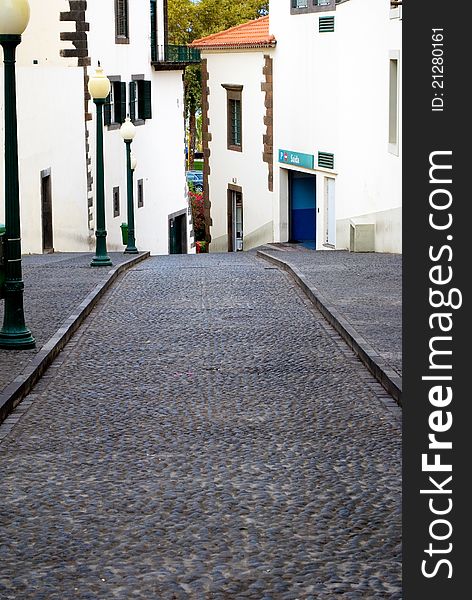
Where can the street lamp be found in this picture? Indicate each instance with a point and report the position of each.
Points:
(128, 131)
(14, 17)
(99, 88)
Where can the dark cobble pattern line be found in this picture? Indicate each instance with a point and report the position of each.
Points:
(205, 435)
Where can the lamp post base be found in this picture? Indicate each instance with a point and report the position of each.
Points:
(17, 340)
(131, 250)
(101, 261)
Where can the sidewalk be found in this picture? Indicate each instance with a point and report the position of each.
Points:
(60, 290)
(360, 294)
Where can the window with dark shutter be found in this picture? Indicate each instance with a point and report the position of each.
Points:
(115, 109)
(121, 22)
(132, 100)
(144, 99)
(153, 30)
(120, 101)
(108, 108)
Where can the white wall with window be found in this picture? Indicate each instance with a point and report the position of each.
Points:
(237, 152)
(155, 102)
(337, 91)
(54, 133)
(50, 110)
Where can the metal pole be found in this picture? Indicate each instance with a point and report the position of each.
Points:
(14, 333)
(101, 259)
(131, 246)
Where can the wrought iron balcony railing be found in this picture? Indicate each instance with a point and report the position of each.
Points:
(174, 57)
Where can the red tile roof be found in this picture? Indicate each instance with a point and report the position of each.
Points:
(254, 34)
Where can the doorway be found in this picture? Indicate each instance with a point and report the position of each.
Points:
(46, 212)
(178, 233)
(235, 219)
(302, 202)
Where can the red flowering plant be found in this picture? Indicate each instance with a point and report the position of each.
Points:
(198, 217)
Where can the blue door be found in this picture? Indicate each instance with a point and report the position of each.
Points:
(303, 208)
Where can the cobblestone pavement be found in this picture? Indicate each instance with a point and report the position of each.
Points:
(55, 284)
(365, 288)
(206, 435)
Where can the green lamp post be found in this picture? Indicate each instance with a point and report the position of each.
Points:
(99, 88)
(14, 17)
(128, 131)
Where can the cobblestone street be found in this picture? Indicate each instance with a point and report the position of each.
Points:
(205, 435)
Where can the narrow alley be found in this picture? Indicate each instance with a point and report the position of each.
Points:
(205, 435)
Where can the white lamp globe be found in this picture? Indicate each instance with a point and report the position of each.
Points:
(99, 85)
(128, 130)
(134, 162)
(14, 16)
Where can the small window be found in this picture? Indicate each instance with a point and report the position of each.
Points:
(115, 104)
(234, 116)
(307, 6)
(140, 193)
(121, 22)
(393, 117)
(116, 201)
(139, 107)
(235, 123)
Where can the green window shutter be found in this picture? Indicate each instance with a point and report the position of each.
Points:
(132, 100)
(120, 102)
(144, 100)
(107, 111)
(153, 30)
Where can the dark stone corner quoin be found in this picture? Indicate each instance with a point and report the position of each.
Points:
(77, 37)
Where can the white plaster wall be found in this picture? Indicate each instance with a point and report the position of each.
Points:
(331, 94)
(50, 136)
(41, 40)
(245, 169)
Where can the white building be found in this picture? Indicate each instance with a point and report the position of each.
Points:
(333, 101)
(60, 49)
(237, 125)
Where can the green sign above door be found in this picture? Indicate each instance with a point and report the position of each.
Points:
(298, 159)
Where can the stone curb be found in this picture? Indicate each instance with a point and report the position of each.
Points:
(14, 392)
(389, 379)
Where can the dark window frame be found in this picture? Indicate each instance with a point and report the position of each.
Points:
(116, 202)
(312, 6)
(141, 89)
(121, 22)
(234, 98)
(115, 111)
(140, 193)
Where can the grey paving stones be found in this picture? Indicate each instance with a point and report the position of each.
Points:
(366, 288)
(64, 290)
(205, 435)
